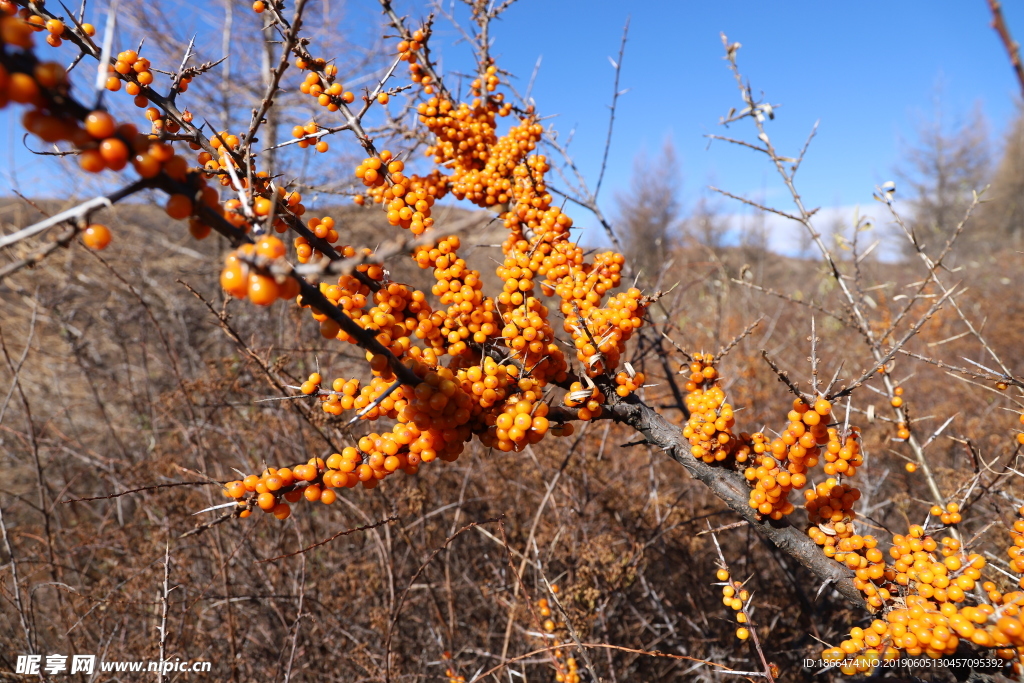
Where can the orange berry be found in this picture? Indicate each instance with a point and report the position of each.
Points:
(99, 124)
(114, 153)
(261, 206)
(262, 289)
(96, 236)
(179, 206)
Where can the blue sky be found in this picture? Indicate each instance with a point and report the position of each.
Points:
(868, 71)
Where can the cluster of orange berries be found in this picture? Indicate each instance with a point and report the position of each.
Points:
(431, 424)
(800, 443)
(348, 395)
(350, 295)
(527, 332)
(274, 489)
(609, 327)
(842, 457)
(407, 49)
(18, 25)
(483, 164)
(771, 487)
(1020, 435)
(902, 430)
(224, 143)
(734, 596)
(469, 314)
(783, 465)
(432, 416)
(628, 381)
(927, 619)
(129, 62)
(54, 31)
(240, 279)
(465, 137)
(949, 515)
(101, 142)
(320, 84)
(312, 384)
(323, 228)
(302, 133)
(873, 579)
(407, 199)
(566, 668)
(524, 420)
(830, 513)
(945, 580)
(307, 253)
(495, 171)
(709, 428)
(1016, 550)
(588, 400)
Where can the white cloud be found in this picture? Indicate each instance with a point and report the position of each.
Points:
(791, 238)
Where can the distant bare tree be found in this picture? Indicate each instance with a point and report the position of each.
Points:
(939, 173)
(1004, 215)
(706, 226)
(649, 213)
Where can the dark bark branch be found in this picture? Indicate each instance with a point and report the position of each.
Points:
(732, 488)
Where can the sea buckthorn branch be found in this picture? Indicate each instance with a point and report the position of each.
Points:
(290, 39)
(881, 362)
(75, 215)
(224, 323)
(990, 376)
(80, 36)
(421, 51)
(589, 200)
(733, 490)
(184, 75)
(76, 220)
(782, 375)
(738, 599)
(935, 264)
(611, 110)
(37, 256)
(1011, 46)
(932, 265)
(138, 80)
(724, 351)
(808, 304)
(756, 113)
